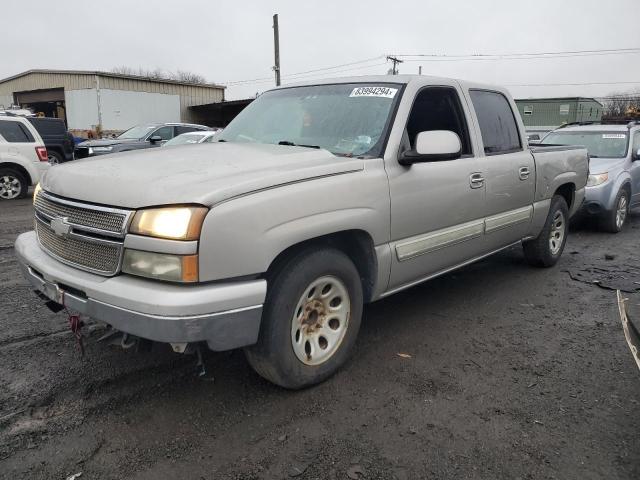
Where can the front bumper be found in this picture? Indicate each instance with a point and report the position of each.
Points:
(599, 199)
(225, 315)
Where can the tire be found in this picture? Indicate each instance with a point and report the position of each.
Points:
(296, 347)
(54, 157)
(615, 220)
(546, 249)
(13, 184)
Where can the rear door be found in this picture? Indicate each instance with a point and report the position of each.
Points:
(437, 208)
(507, 166)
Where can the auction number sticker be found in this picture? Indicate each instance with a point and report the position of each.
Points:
(613, 135)
(384, 92)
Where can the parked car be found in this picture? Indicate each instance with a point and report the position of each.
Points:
(136, 138)
(614, 169)
(57, 139)
(193, 138)
(23, 157)
(315, 199)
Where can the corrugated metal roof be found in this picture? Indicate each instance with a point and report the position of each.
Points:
(111, 75)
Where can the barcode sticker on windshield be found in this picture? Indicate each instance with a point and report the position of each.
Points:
(384, 92)
(613, 135)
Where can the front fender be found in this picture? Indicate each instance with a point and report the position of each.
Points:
(621, 179)
(242, 236)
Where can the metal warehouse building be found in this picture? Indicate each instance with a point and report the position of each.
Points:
(550, 113)
(114, 102)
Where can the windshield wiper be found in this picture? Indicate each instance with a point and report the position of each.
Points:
(291, 144)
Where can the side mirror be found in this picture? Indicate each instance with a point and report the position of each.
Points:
(433, 146)
(636, 155)
(155, 139)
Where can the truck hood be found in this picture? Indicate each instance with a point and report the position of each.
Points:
(602, 165)
(106, 142)
(205, 174)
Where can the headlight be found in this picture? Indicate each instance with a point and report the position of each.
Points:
(161, 266)
(598, 179)
(177, 223)
(102, 149)
(36, 191)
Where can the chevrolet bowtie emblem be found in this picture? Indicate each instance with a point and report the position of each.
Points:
(60, 226)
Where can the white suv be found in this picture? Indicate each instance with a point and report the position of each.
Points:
(23, 157)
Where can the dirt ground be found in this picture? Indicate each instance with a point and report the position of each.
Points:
(510, 372)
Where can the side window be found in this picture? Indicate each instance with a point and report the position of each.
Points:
(438, 108)
(181, 130)
(497, 123)
(14, 132)
(165, 132)
(636, 142)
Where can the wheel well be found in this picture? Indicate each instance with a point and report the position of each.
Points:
(626, 186)
(567, 191)
(356, 244)
(17, 168)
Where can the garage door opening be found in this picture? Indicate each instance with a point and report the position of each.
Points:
(44, 103)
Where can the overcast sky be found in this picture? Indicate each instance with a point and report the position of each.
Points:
(231, 41)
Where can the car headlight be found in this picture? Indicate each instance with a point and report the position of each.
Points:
(36, 191)
(176, 223)
(597, 179)
(161, 266)
(102, 149)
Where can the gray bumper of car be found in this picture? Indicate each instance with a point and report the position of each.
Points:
(224, 315)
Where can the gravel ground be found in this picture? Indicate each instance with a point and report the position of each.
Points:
(506, 372)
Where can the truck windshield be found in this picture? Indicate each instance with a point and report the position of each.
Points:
(345, 119)
(137, 132)
(598, 143)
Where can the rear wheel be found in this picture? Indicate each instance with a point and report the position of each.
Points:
(13, 185)
(546, 249)
(310, 321)
(54, 157)
(615, 220)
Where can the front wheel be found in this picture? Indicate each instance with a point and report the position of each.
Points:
(310, 321)
(545, 250)
(614, 220)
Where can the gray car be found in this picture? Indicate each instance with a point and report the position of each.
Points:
(136, 138)
(614, 169)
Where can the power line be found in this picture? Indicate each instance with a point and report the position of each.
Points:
(568, 84)
(303, 73)
(502, 55)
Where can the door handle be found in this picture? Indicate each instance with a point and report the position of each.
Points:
(523, 173)
(476, 180)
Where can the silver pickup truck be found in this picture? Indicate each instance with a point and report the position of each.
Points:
(316, 199)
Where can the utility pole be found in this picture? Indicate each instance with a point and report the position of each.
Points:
(395, 61)
(276, 43)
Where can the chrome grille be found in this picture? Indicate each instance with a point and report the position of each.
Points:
(99, 257)
(85, 236)
(102, 220)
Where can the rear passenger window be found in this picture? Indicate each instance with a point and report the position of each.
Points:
(181, 130)
(14, 132)
(497, 123)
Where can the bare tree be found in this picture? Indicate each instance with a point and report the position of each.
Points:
(159, 74)
(625, 104)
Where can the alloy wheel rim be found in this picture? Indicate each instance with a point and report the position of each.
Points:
(557, 234)
(53, 160)
(621, 213)
(10, 187)
(320, 320)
